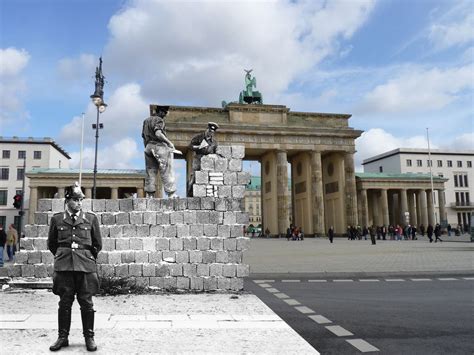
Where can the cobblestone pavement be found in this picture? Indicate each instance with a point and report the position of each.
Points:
(317, 255)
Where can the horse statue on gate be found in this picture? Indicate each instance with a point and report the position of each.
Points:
(248, 95)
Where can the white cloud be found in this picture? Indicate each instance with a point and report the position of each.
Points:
(81, 68)
(463, 142)
(457, 31)
(12, 61)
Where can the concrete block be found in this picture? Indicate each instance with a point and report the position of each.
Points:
(235, 165)
(189, 217)
(224, 191)
(104, 231)
(122, 218)
(242, 270)
(182, 256)
(238, 151)
(149, 270)
(215, 269)
(31, 231)
(216, 217)
(41, 271)
(210, 283)
(21, 257)
(235, 204)
(243, 178)
(224, 151)
(182, 283)
(202, 217)
(195, 256)
(207, 162)
(149, 244)
(196, 230)
(182, 230)
(234, 257)
(236, 284)
(46, 257)
(199, 190)
(128, 256)
(222, 256)
(156, 231)
(208, 256)
(106, 270)
(223, 283)
(230, 218)
(129, 230)
(230, 244)
(169, 256)
(202, 270)
(112, 206)
(58, 205)
(103, 258)
(176, 244)
(189, 270)
(40, 244)
(27, 270)
(158, 282)
(201, 177)
(237, 230)
(207, 203)
(15, 270)
(210, 230)
(122, 244)
(223, 231)
(143, 231)
(176, 269)
(108, 218)
(140, 204)
(34, 257)
(41, 218)
(126, 205)
(87, 205)
(27, 243)
(108, 244)
(170, 283)
(230, 178)
(177, 217)
(163, 218)
(115, 257)
(141, 256)
(43, 231)
(220, 204)
(45, 205)
(155, 257)
(162, 270)
(181, 204)
(203, 243)
(115, 231)
(167, 204)
(217, 243)
(220, 164)
(149, 217)
(196, 283)
(162, 244)
(154, 204)
(189, 243)
(242, 218)
(229, 270)
(170, 231)
(243, 243)
(238, 191)
(135, 269)
(121, 270)
(137, 217)
(194, 203)
(98, 205)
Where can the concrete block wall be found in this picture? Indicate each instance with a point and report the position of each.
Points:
(193, 243)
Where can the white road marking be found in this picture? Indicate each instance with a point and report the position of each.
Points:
(338, 330)
(281, 295)
(343, 280)
(290, 280)
(468, 278)
(320, 319)
(394, 280)
(447, 279)
(272, 290)
(262, 281)
(292, 302)
(421, 279)
(265, 285)
(362, 345)
(317, 280)
(304, 309)
(369, 280)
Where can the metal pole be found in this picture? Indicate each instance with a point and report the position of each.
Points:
(80, 153)
(431, 176)
(21, 213)
(95, 159)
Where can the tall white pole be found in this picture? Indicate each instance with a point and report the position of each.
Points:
(80, 154)
(430, 163)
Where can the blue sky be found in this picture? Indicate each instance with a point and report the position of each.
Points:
(398, 66)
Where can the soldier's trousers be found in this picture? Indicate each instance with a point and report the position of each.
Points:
(159, 158)
(68, 284)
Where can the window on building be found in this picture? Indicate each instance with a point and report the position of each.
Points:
(380, 169)
(21, 154)
(6, 154)
(419, 162)
(455, 181)
(468, 201)
(440, 163)
(465, 181)
(450, 163)
(408, 162)
(429, 162)
(20, 172)
(469, 164)
(457, 198)
(37, 154)
(4, 173)
(459, 164)
(3, 221)
(3, 197)
(461, 182)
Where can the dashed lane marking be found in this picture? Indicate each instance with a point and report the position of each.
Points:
(468, 278)
(304, 309)
(262, 281)
(362, 345)
(317, 280)
(338, 330)
(281, 295)
(320, 319)
(290, 280)
(343, 280)
(265, 285)
(272, 290)
(447, 279)
(421, 279)
(394, 280)
(292, 302)
(369, 280)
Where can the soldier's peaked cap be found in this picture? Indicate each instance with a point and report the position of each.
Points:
(159, 108)
(73, 191)
(213, 126)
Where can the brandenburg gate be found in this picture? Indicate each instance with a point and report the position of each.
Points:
(319, 146)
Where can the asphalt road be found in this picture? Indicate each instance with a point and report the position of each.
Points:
(394, 315)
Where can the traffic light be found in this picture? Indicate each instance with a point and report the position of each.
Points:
(17, 201)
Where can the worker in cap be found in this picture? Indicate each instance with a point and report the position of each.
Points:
(158, 153)
(75, 241)
(202, 144)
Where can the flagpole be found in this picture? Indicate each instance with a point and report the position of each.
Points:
(80, 154)
(430, 163)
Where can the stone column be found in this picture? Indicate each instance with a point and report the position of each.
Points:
(88, 192)
(283, 197)
(423, 208)
(350, 190)
(364, 208)
(431, 219)
(32, 205)
(140, 192)
(412, 209)
(375, 208)
(60, 192)
(403, 205)
(384, 198)
(114, 195)
(317, 193)
(442, 206)
(418, 207)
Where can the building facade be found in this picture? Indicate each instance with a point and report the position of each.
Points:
(253, 200)
(16, 154)
(455, 166)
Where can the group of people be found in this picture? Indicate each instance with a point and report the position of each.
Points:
(392, 232)
(8, 239)
(294, 233)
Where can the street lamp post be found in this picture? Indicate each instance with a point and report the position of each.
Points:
(98, 100)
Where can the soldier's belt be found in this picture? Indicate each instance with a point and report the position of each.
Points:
(74, 245)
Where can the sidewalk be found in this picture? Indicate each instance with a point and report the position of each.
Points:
(150, 324)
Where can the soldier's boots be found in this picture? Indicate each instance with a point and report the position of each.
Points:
(88, 329)
(64, 324)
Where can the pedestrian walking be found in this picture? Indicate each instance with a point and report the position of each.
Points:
(372, 232)
(74, 239)
(3, 240)
(12, 237)
(437, 233)
(429, 233)
(331, 233)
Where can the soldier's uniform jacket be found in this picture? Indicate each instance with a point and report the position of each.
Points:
(75, 245)
(150, 126)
